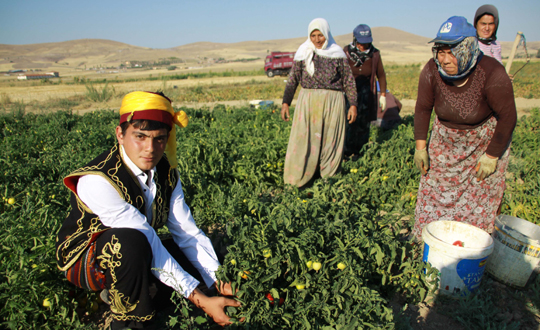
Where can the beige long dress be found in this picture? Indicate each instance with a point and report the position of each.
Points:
(317, 136)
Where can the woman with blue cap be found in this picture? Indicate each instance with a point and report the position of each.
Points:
(367, 67)
(464, 163)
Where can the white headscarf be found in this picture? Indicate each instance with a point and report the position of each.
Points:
(329, 49)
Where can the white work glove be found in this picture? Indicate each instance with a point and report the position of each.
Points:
(485, 167)
(382, 102)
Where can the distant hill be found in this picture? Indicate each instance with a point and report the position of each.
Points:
(385, 38)
(396, 46)
(76, 53)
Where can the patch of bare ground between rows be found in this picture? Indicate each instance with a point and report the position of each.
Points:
(424, 316)
(510, 302)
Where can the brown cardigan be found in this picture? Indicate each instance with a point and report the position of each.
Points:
(368, 70)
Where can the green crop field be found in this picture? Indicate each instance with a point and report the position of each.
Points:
(273, 236)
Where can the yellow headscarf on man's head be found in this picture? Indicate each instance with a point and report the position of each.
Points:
(153, 106)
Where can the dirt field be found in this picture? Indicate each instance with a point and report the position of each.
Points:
(25, 92)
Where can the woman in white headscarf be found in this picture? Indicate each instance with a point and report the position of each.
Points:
(318, 130)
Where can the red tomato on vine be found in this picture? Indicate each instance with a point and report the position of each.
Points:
(269, 297)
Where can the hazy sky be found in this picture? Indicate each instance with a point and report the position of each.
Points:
(166, 23)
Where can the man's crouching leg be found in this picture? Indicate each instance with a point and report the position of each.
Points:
(125, 256)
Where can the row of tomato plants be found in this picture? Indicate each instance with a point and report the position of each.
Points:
(231, 164)
(273, 232)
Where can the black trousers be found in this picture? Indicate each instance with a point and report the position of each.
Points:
(124, 256)
(357, 133)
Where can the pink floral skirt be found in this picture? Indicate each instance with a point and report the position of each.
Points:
(450, 191)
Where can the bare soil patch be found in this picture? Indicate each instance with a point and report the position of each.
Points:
(26, 93)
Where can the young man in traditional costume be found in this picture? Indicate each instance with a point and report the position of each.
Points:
(109, 240)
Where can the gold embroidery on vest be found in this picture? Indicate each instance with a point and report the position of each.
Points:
(140, 202)
(158, 205)
(112, 173)
(99, 165)
(139, 199)
(95, 227)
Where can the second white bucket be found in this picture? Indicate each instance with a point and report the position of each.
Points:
(516, 256)
(459, 251)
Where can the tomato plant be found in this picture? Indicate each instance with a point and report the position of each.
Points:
(332, 251)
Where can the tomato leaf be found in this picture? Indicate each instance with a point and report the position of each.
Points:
(307, 324)
(274, 293)
(200, 320)
(358, 252)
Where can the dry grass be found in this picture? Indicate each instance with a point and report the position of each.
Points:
(45, 93)
(36, 96)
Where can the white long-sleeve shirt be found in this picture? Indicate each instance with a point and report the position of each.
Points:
(100, 196)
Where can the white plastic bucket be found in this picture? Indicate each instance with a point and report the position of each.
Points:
(517, 251)
(460, 268)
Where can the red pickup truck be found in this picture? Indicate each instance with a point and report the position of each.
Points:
(278, 63)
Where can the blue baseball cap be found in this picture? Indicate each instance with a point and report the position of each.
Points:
(455, 29)
(362, 34)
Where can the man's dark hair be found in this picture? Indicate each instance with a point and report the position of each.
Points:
(144, 125)
(160, 93)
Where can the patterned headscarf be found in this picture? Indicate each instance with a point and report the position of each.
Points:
(153, 106)
(467, 54)
(358, 56)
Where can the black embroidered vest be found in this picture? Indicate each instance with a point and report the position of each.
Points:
(82, 226)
